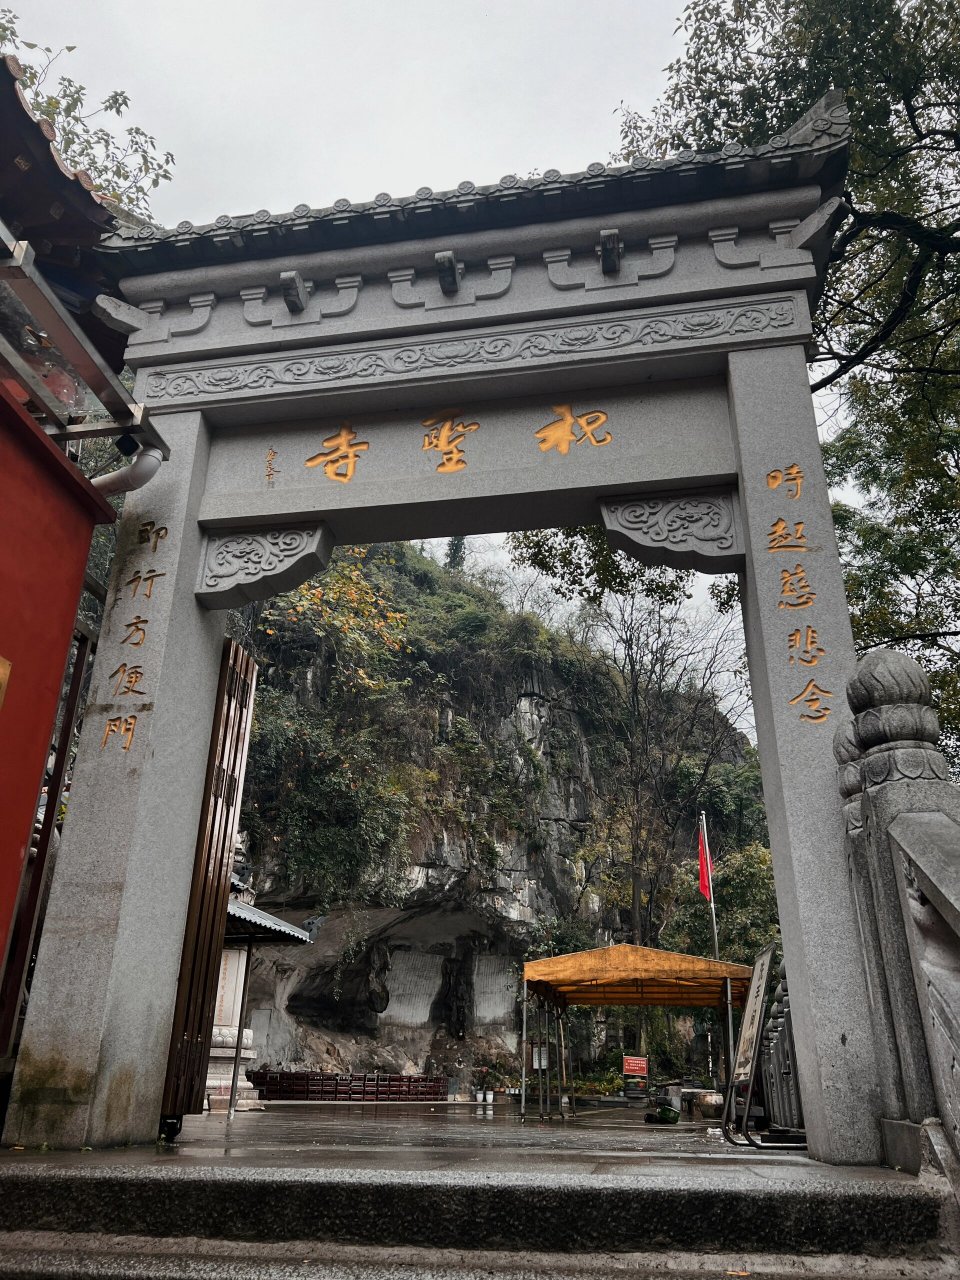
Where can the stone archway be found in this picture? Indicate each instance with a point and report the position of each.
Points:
(624, 345)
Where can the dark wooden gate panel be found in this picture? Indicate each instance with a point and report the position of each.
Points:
(207, 913)
(15, 975)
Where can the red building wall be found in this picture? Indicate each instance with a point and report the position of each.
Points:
(47, 514)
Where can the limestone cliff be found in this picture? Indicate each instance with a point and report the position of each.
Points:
(430, 983)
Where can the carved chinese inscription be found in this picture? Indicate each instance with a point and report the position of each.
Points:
(123, 726)
(803, 647)
(136, 631)
(782, 538)
(152, 534)
(567, 429)
(809, 698)
(146, 580)
(791, 478)
(343, 448)
(128, 677)
(446, 436)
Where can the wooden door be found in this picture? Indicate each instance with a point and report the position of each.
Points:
(207, 913)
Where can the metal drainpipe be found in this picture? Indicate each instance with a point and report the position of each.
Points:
(144, 467)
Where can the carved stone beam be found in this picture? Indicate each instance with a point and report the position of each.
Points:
(690, 531)
(825, 219)
(449, 272)
(160, 324)
(201, 309)
(260, 309)
(348, 291)
(293, 291)
(610, 251)
(153, 330)
(239, 566)
(634, 267)
(433, 297)
(783, 253)
(121, 316)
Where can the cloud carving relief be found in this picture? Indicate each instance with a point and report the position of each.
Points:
(696, 532)
(238, 567)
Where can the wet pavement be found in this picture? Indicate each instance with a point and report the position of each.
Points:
(435, 1177)
(411, 1138)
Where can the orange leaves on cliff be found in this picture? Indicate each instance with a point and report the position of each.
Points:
(346, 609)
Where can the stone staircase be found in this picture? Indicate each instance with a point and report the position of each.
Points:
(764, 1219)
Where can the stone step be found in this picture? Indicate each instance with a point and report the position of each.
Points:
(57, 1257)
(756, 1208)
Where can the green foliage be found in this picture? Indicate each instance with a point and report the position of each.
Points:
(662, 747)
(360, 747)
(127, 164)
(583, 566)
(745, 900)
(457, 553)
(558, 936)
(888, 327)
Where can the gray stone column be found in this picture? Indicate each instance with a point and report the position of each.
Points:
(93, 1056)
(901, 771)
(889, 1076)
(800, 654)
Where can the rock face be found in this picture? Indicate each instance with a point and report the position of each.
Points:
(431, 984)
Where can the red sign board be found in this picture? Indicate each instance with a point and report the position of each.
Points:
(634, 1066)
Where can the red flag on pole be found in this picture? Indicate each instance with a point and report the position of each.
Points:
(706, 862)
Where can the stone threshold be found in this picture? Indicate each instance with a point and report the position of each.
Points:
(749, 1208)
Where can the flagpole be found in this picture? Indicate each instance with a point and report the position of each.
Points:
(709, 861)
(730, 1047)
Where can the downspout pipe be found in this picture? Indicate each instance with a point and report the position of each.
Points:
(144, 467)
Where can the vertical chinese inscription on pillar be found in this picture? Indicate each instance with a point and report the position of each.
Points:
(797, 592)
(129, 675)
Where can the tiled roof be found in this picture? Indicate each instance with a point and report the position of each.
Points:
(812, 151)
(42, 199)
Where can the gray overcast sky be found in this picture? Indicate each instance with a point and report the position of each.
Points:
(267, 105)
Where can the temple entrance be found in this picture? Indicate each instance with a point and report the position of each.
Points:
(625, 347)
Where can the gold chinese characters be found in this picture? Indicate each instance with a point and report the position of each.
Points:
(791, 478)
(563, 431)
(446, 434)
(803, 646)
(446, 437)
(123, 726)
(809, 698)
(342, 451)
(127, 677)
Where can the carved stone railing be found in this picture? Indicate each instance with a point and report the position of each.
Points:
(781, 1089)
(903, 852)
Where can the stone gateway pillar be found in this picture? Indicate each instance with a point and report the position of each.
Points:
(624, 346)
(93, 1056)
(800, 654)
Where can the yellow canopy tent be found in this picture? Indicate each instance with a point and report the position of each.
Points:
(628, 975)
(621, 975)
